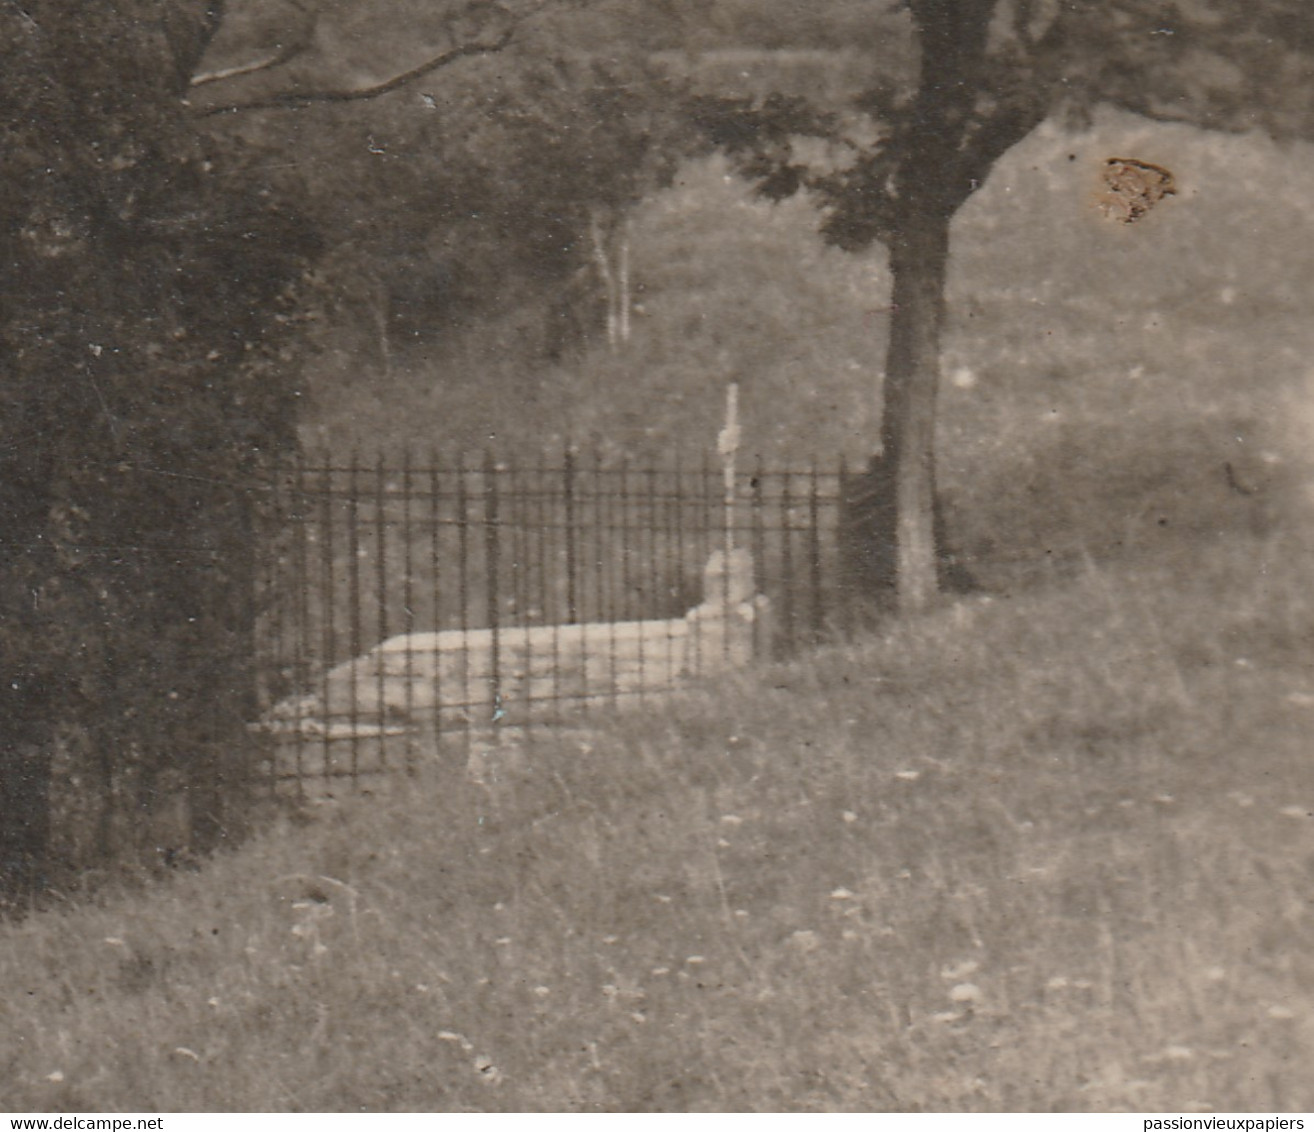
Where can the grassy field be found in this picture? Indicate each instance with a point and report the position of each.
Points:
(1047, 852)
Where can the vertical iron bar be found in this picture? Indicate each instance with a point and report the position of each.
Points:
(606, 612)
(630, 535)
(842, 579)
(673, 568)
(273, 645)
(512, 503)
(303, 648)
(326, 614)
(547, 603)
(570, 614)
(381, 599)
(814, 553)
(463, 586)
(492, 564)
(758, 537)
(702, 532)
(435, 557)
(568, 499)
(408, 608)
(627, 550)
(727, 551)
(354, 603)
(787, 557)
(651, 609)
(684, 517)
(600, 542)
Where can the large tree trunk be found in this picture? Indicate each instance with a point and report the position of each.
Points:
(28, 701)
(919, 259)
(26, 753)
(942, 151)
(219, 766)
(894, 537)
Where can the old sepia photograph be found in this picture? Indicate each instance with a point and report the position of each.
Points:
(657, 556)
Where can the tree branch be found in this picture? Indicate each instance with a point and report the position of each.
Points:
(1025, 107)
(294, 99)
(189, 26)
(268, 63)
(285, 54)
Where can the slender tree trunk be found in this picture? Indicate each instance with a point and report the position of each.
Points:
(602, 259)
(623, 281)
(381, 311)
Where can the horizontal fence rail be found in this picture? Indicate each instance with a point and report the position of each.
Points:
(409, 605)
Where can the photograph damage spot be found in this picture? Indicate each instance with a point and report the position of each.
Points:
(1132, 188)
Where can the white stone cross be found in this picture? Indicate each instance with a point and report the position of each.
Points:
(727, 444)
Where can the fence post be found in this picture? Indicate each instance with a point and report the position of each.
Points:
(492, 563)
(814, 553)
(357, 642)
(463, 586)
(841, 579)
(435, 556)
(408, 609)
(758, 537)
(568, 497)
(789, 612)
(302, 649)
(271, 647)
(381, 598)
(327, 612)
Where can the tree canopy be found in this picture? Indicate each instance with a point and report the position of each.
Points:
(148, 287)
(906, 156)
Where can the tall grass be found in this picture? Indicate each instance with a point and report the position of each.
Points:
(1043, 852)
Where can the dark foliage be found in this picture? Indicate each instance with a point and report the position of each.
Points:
(147, 285)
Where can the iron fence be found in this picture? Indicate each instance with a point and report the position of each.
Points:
(410, 605)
